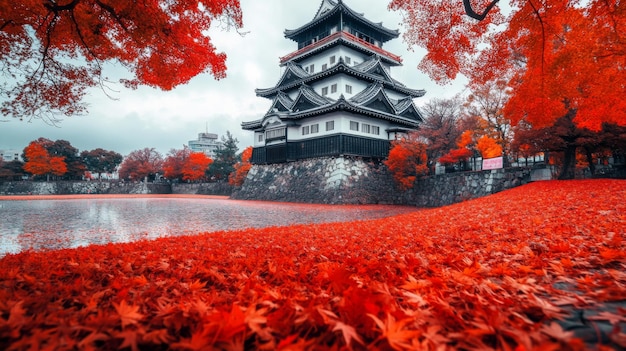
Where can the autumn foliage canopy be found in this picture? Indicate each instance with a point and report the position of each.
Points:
(488, 147)
(40, 162)
(242, 168)
(496, 273)
(556, 55)
(54, 50)
(407, 161)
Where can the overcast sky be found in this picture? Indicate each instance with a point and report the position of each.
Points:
(164, 120)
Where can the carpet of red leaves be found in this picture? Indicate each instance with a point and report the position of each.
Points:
(491, 273)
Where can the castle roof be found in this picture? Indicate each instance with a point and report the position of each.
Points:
(371, 70)
(330, 8)
(346, 39)
(372, 101)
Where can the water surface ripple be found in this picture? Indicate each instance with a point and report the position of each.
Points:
(68, 223)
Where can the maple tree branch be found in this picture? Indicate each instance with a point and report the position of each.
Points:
(54, 7)
(5, 24)
(113, 14)
(478, 16)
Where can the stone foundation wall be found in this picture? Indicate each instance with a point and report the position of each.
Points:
(344, 180)
(77, 187)
(223, 189)
(95, 187)
(340, 180)
(447, 189)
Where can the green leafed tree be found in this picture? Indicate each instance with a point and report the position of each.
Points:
(101, 161)
(225, 159)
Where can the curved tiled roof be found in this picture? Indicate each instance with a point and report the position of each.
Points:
(347, 39)
(320, 16)
(366, 102)
(365, 70)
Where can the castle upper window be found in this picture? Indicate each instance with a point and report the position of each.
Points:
(348, 89)
(348, 60)
(330, 125)
(354, 126)
(333, 88)
(315, 128)
(305, 130)
(324, 67)
(332, 60)
(275, 134)
(324, 91)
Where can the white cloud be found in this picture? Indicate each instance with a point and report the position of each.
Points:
(151, 118)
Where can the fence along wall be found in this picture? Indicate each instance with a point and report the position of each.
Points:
(352, 180)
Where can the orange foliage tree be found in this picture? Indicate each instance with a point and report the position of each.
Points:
(174, 163)
(488, 147)
(407, 160)
(55, 50)
(556, 56)
(40, 162)
(242, 168)
(462, 152)
(196, 166)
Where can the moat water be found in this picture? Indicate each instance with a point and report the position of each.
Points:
(69, 223)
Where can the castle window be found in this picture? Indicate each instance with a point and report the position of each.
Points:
(376, 130)
(330, 125)
(354, 126)
(305, 130)
(324, 91)
(333, 88)
(365, 128)
(348, 60)
(274, 134)
(332, 60)
(260, 138)
(324, 67)
(315, 128)
(311, 68)
(348, 89)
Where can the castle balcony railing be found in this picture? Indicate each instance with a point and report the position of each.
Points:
(330, 146)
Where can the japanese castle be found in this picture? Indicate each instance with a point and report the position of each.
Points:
(336, 96)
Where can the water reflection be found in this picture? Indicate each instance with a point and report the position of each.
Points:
(55, 224)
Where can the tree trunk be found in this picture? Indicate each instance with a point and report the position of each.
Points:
(592, 166)
(569, 163)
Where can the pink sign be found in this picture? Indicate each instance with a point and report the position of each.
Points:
(493, 163)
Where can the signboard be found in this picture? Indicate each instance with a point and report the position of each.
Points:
(493, 163)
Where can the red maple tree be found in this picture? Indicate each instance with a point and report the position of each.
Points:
(195, 166)
(407, 160)
(141, 164)
(557, 57)
(55, 50)
(40, 162)
(242, 168)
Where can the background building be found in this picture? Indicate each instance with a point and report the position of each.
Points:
(11, 155)
(207, 143)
